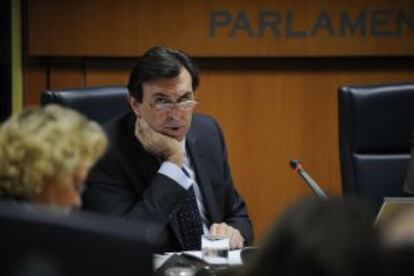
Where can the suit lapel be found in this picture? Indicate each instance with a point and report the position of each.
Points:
(148, 166)
(203, 181)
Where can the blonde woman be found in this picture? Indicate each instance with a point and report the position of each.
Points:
(46, 153)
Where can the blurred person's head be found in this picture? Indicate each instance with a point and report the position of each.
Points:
(46, 154)
(319, 237)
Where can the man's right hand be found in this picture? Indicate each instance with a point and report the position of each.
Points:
(165, 147)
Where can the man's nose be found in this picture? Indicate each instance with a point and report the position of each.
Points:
(175, 112)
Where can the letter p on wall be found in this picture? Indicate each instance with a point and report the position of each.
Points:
(219, 19)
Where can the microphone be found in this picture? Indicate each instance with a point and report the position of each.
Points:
(297, 167)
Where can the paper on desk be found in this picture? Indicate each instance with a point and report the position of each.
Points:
(234, 257)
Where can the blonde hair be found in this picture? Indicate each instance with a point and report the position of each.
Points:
(43, 143)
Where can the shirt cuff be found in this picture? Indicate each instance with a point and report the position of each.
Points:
(174, 172)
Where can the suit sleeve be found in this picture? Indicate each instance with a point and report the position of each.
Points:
(110, 192)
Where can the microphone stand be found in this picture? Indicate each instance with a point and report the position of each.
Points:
(297, 167)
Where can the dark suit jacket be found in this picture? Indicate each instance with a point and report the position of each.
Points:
(125, 182)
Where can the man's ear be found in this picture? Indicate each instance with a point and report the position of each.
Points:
(135, 105)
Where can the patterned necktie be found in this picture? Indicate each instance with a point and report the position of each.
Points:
(189, 221)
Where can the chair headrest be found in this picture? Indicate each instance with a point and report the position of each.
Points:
(378, 118)
(97, 103)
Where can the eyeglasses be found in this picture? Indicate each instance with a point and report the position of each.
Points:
(168, 106)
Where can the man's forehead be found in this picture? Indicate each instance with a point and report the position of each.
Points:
(183, 78)
(169, 87)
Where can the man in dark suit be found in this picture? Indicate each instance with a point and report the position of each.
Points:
(165, 165)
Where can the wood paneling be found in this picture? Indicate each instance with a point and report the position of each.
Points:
(218, 28)
(35, 81)
(272, 116)
(271, 109)
(269, 114)
(66, 75)
(108, 72)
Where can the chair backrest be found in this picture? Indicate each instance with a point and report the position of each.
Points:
(97, 103)
(36, 240)
(375, 130)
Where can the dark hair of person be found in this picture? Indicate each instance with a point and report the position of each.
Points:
(398, 260)
(320, 237)
(159, 63)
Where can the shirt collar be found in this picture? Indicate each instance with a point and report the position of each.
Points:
(182, 145)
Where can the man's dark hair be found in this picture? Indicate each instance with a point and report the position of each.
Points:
(159, 63)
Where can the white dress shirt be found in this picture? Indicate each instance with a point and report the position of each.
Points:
(177, 174)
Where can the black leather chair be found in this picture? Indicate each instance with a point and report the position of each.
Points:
(36, 240)
(375, 132)
(97, 103)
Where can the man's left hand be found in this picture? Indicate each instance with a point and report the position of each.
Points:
(223, 229)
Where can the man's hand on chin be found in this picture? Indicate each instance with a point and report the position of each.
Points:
(165, 147)
(223, 229)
